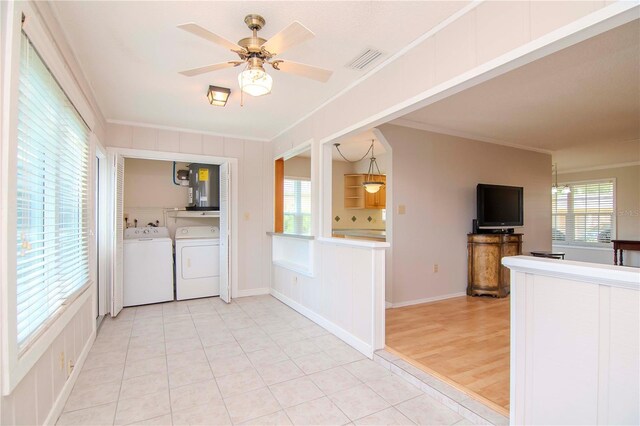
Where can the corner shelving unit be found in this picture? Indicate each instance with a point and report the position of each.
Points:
(353, 191)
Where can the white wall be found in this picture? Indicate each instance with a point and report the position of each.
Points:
(435, 178)
(575, 343)
(44, 388)
(345, 294)
(33, 399)
(298, 167)
(255, 200)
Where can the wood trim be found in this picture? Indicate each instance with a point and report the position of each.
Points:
(278, 225)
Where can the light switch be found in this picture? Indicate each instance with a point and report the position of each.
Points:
(401, 209)
(247, 216)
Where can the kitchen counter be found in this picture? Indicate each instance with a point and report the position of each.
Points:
(364, 234)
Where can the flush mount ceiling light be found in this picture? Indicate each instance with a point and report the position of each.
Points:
(565, 189)
(370, 184)
(255, 52)
(218, 95)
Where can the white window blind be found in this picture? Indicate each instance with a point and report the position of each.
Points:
(586, 215)
(297, 206)
(51, 201)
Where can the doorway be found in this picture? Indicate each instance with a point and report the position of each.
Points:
(118, 220)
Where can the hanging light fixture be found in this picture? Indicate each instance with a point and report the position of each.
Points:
(218, 95)
(565, 189)
(254, 80)
(370, 184)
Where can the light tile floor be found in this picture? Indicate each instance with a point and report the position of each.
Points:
(254, 361)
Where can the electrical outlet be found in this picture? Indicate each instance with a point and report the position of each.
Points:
(61, 361)
(70, 367)
(247, 216)
(435, 267)
(402, 209)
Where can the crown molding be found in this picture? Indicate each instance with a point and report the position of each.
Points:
(183, 130)
(603, 167)
(404, 122)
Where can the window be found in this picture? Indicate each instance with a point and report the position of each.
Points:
(51, 197)
(297, 206)
(586, 215)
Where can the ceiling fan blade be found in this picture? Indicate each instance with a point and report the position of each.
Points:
(303, 70)
(295, 33)
(210, 68)
(196, 29)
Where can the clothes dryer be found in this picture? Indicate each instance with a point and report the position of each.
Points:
(197, 262)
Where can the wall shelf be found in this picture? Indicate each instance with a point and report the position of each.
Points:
(174, 214)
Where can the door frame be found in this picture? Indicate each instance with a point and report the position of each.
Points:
(143, 154)
(102, 240)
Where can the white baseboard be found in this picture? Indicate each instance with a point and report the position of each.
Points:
(58, 406)
(426, 300)
(388, 305)
(253, 292)
(363, 347)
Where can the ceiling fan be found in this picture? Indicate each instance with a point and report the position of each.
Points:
(255, 52)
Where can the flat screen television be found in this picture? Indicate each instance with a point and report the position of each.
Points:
(499, 206)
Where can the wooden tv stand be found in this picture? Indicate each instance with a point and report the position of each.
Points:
(486, 273)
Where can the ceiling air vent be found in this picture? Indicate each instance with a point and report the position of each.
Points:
(364, 59)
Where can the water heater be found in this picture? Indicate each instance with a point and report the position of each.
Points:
(204, 187)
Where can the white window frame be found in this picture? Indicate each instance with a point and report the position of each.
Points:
(284, 213)
(15, 364)
(584, 244)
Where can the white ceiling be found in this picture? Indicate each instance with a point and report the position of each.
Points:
(354, 147)
(584, 95)
(131, 53)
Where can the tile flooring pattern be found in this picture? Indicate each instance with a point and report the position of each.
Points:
(254, 361)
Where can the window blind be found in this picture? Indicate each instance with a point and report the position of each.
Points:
(51, 199)
(586, 215)
(297, 206)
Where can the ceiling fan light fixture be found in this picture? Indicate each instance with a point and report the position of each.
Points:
(218, 96)
(255, 82)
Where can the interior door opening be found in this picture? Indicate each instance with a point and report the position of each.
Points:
(153, 191)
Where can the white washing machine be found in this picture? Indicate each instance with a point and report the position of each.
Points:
(197, 262)
(147, 266)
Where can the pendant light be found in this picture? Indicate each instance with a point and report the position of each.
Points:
(370, 184)
(565, 189)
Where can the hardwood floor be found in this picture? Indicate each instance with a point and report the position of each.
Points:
(464, 340)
